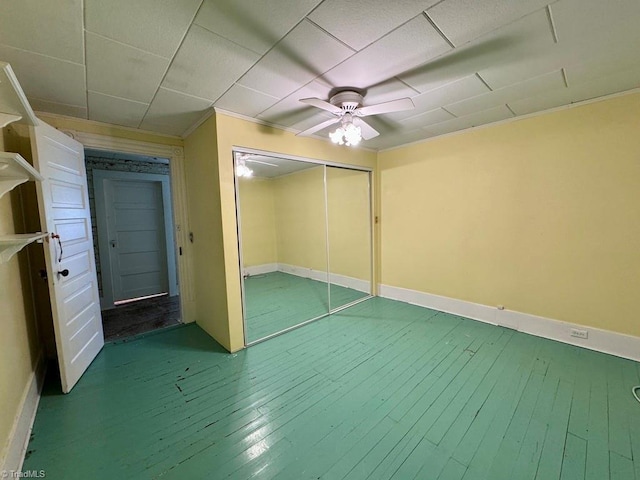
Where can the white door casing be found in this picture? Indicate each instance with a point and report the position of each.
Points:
(64, 212)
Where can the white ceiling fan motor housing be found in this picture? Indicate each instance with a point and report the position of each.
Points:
(348, 100)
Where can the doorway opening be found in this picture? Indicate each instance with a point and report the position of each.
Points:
(133, 235)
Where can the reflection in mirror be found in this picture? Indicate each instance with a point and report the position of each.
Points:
(349, 224)
(283, 237)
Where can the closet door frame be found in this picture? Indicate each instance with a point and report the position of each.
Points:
(244, 150)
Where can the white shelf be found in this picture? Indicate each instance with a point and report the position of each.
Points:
(15, 170)
(14, 106)
(12, 244)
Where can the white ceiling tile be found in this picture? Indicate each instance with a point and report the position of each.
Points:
(457, 90)
(290, 111)
(614, 83)
(118, 111)
(585, 70)
(428, 118)
(173, 112)
(245, 101)
(47, 78)
(404, 49)
(49, 28)
(156, 26)
(464, 20)
(511, 54)
(360, 22)
(123, 71)
(480, 118)
(517, 91)
(387, 91)
(58, 108)
(254, 25)
(305, 53)
(206, 64)
(597, 28)
(400, 138)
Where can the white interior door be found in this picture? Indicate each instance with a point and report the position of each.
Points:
(73, 286)
(136, 232)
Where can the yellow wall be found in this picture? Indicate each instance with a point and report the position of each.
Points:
(349, 217)
(541, 215)
(258, 222)
(232, 132)
(203, 192)
(19, 346)
(300, 219)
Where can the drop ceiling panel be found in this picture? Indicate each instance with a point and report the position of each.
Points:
(597, 28)
(57, 108)
(618, 82)
(174, 112)
(404, 49)
(255, 25)
(156, 26)
(117, 69)
(517, 91)
(480, 118)
(457, 90)
(533, 52)
(49, 28)
(400, 138)
(207, 64)
(290, 110)
(305, 53)
(428, 118)
(47, 78)
(392, 89)
(464, 20)
(245, 101)
(360, 22)
(587, 70)
(118, 111)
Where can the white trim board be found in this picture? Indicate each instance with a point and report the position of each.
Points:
(18, 441)
(605, 341)
(304, 272)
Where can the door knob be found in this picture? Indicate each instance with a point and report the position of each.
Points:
(64, 273)
(113, 243)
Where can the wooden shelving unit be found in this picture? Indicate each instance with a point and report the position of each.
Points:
(12, 244)
(14, 170)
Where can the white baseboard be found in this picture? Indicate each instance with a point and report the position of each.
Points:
(260, 269)
(605, 341)
(321, 276)
(23, 423)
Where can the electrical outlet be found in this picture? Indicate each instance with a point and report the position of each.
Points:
(579, 333)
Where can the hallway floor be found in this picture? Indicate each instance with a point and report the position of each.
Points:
(140, 317)
(382, 390)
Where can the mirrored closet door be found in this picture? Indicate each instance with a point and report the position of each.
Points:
(305, 240)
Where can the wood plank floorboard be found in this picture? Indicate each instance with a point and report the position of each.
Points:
(381, 390)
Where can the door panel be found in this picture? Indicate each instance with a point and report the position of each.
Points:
(64, 212)
(136, 230)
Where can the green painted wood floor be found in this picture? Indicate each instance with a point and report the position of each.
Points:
(382, 390)
(276, 301)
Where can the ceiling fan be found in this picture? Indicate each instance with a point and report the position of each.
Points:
(242, 170)
(348, 109)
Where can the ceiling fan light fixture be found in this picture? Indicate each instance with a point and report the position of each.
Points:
(347, 133)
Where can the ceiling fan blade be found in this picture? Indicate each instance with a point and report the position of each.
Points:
(386, 107)
(316, 102)
(320, 126)
(367, 131)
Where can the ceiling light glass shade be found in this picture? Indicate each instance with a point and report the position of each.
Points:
(347, 134)
(243, 171)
